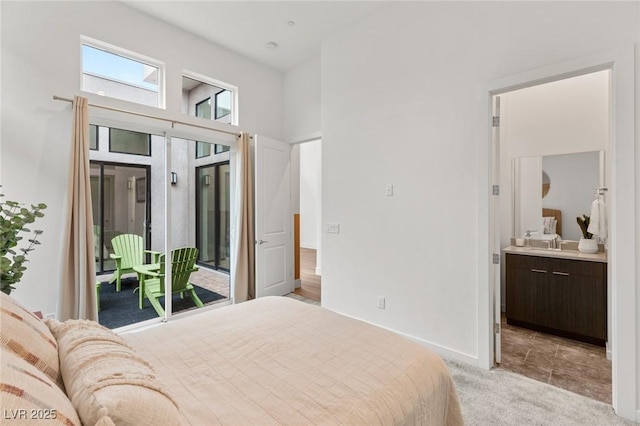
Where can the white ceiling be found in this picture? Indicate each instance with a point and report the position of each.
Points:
(247, 26)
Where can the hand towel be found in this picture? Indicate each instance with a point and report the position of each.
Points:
(598, 220)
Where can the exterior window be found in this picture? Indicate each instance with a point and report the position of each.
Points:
(223, 106)
(128, 142)
(109, 71)
(203, 110)
(197, 96)
(93, 137)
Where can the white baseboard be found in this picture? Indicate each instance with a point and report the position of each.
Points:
(443, 351)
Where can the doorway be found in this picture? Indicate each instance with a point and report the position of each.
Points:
(120, 205)
(556, 120)
(213, 216)
(310, 210)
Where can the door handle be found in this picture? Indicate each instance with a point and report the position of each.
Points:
(542, 271)
(261, 242)
(566, 274)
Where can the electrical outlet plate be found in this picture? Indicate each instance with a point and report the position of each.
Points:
(388, 190)
(381, 302)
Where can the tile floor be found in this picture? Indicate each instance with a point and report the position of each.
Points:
(568, 364)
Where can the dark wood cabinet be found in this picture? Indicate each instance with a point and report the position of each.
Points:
(558, 296)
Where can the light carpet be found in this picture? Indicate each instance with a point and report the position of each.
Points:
(499, 397)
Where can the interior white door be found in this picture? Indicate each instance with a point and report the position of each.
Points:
(274, 242)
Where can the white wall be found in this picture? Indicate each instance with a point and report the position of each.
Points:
(310, 193)
(45, 61)
(302, 101)
(427, 62)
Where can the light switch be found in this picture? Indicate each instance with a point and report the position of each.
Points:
(389, 190)
(333, 228)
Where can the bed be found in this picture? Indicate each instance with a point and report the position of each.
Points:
(273, 360)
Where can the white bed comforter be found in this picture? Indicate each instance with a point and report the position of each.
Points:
(276, 360)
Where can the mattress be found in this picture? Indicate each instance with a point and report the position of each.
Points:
(276, 360)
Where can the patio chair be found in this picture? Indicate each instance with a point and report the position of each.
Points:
(182, 265)
(128, 251)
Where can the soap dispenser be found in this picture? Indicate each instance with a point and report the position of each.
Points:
(527, 239)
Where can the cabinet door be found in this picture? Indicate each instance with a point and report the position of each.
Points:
(527, 288)
(579, 298)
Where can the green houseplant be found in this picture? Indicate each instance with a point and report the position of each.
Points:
(14, 218)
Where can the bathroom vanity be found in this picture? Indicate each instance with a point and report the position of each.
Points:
(557, 292)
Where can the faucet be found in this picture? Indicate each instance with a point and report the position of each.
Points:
(553, 243)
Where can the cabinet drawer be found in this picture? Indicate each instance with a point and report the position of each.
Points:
(527, 262)
(577, 267)
(559, 266)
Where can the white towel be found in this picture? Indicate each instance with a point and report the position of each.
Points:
(598, 220)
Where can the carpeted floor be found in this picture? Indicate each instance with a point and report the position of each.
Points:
(118, 309)
(499, 397)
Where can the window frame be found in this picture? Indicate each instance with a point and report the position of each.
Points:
(128, 54)
(222, 85)
(94, 129)
(131, 153)
(215, 106)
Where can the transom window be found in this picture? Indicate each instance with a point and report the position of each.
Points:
(208, 101)
(128, 142)
(114, 72)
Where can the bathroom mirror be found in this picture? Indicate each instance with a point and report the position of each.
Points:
(569, 183)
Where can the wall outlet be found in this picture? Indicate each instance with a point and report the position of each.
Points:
(333, 228)
(388, 191)
(50, 315)
(381, 302)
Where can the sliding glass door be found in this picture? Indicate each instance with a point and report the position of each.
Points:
(212, 215)
(119, 198)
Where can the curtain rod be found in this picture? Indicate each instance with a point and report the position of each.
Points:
(59, 98)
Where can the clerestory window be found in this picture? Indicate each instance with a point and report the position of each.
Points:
(114, 72)
(209, 100)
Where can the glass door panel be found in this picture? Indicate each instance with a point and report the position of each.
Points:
(119, 196)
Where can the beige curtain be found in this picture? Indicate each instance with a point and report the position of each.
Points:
(245, 243)
(77, 297)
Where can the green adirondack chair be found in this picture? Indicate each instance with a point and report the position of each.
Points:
(182, 265)
(128, 251)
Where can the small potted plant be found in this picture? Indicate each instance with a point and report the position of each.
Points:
(586, 244)
(14, 217)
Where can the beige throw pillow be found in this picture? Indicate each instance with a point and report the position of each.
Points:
(24, 334)
(105, 379)
(29, 396)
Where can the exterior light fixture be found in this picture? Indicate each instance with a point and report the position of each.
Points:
(174, 178)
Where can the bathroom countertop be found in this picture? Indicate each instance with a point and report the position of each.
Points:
(563, 254)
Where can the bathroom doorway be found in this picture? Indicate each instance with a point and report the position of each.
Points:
(559, 119)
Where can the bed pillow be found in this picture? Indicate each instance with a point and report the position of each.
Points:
(105, 379)
(24, 334)
(30, 396)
